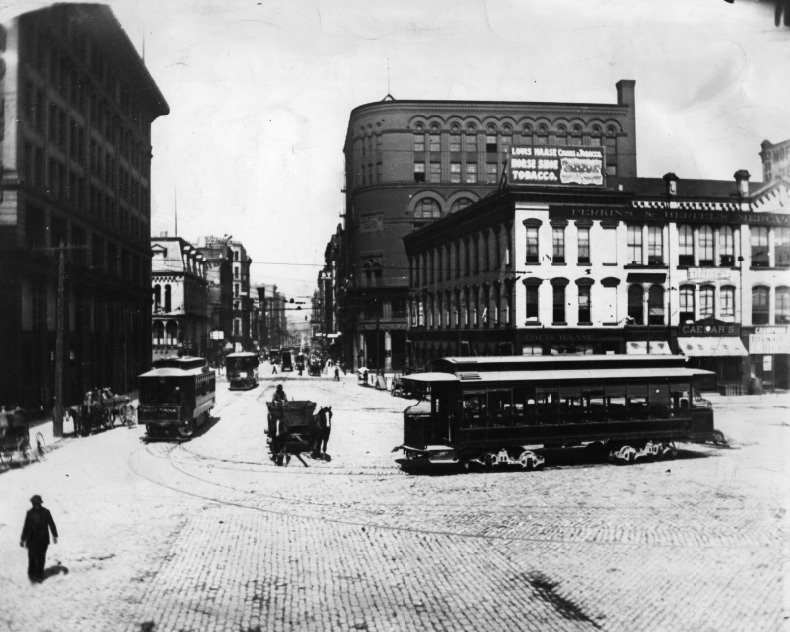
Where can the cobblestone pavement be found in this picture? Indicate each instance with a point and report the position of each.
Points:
(210, 535)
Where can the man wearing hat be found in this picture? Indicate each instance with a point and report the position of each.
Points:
(35, 536)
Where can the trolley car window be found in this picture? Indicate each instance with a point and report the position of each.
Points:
(500, 407)
(474, 415)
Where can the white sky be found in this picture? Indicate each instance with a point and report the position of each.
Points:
(260, 94)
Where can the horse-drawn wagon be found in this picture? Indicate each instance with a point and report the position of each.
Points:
(296, 432)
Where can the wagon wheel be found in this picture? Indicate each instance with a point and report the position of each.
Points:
(41, 447)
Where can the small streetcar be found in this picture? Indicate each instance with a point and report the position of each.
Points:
(176, 396)
(242, 370)
(506, 410)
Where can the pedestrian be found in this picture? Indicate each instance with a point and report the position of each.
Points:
(279, 395)
(337, 374)
(4, 425)
(274, 369)
(35, 536)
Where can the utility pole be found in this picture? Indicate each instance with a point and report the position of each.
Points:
(57, 412)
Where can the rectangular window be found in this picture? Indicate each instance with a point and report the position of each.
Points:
(686, 246)
(608, 245)
(655, 245)
(436, 172)
(470, 140)
(558, 244)
(435, 141)
(760, 309)
(455, 142)
(491, 173)
(532, 302)
(532, 244)
(782, 246)
(455, 172)
(558, 304)
(759, 240)
(419, 172)
(583, 245)
(471, 172)
(491, 143)
(782, 300)
(635, 244)
(419, 142)
(584, 304)
(705, 246)
(726, 246)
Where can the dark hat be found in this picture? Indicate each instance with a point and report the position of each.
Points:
(36, 499)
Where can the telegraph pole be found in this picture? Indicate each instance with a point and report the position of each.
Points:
(57, 412)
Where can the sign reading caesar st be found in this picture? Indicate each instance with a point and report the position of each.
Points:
(556, 165)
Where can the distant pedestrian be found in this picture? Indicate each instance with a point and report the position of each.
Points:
(35, 536)
(4, 424)
(274, 369)
(337, 374)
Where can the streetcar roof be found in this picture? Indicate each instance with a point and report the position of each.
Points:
(613, 358)
(560, 376)
(242, 354)
(173, 372)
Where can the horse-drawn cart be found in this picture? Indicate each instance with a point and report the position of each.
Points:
(101, 408)
(296, 429)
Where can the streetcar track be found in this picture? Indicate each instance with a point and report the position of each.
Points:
(509, 537)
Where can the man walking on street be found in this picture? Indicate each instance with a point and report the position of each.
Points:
(35, 536)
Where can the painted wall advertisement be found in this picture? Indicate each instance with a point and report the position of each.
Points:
(556, 165)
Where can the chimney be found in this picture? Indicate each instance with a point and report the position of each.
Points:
(671, 181)
(625, 92)
(742, 178)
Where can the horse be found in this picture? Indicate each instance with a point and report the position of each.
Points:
(322, 422)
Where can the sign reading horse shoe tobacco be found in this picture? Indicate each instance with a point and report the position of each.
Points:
(556, 165)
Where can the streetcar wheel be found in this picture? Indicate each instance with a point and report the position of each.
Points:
(526, 461)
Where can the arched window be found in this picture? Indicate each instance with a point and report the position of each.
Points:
(461, 203)
(158, 333)
(686, 304)
(782, 305)
(157, 298)
(427, 208)
(727, 303)
(171, 333)
(168, 298)
(706, 298)
(635, 308)
(655, 305)
(760, 308)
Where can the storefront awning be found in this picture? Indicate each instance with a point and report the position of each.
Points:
(712, 346)
(657, 347)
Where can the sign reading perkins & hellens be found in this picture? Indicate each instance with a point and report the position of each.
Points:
(556, 165)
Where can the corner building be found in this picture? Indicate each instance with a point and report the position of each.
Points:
(77, 108)
(409, 163)
(635, 265)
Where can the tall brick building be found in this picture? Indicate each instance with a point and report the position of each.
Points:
(77, 108)
(410, 162)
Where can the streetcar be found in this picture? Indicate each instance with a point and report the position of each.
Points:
(241, 369)
(176, 396)
(509, 410)
(286, 361)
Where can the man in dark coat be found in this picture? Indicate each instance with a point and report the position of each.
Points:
(35, 536)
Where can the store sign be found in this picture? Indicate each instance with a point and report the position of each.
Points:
(769, 340)
(556, 165)
(709, 327)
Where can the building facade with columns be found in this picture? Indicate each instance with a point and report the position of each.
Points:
(77, 107)
(630, 265)
(409, 163)
(180, 322)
